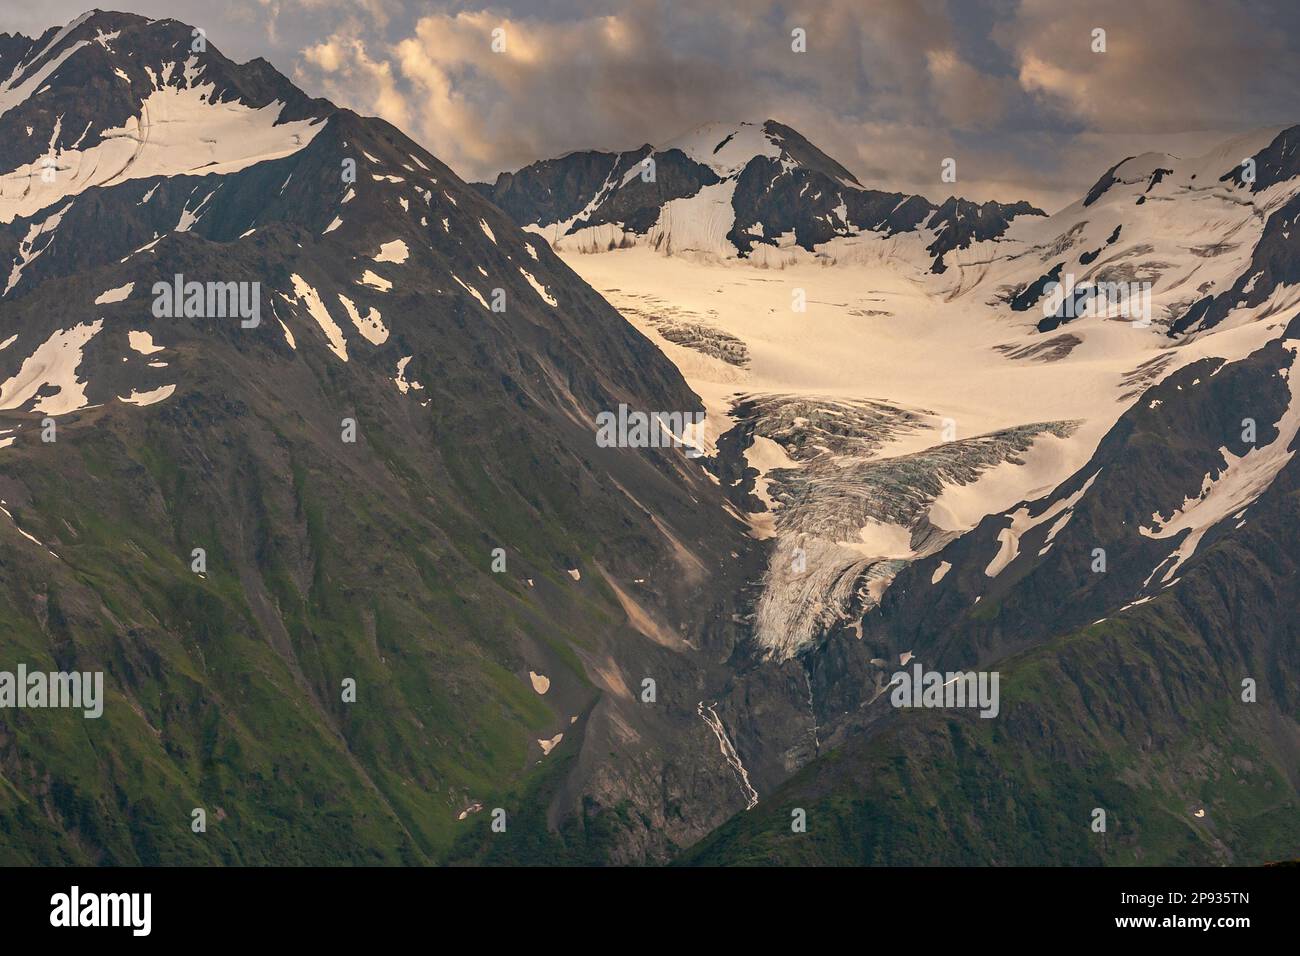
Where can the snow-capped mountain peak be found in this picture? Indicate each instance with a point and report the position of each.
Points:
(1199, 235)
(241, 323)
(755, 191)
(111, 97)
(726, 148)
(135, 157)
(932, 313)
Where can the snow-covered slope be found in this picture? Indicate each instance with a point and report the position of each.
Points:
(1187, 227)
(903, 406)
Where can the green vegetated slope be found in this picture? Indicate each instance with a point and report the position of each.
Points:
(325, 560)
(1020, 789)
(225, 689)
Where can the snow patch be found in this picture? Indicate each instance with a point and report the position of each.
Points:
(404, 384)
(316, 308)
(178, 131)
(121, 293)
(27, 251)
(375, 281)
(1022, 522)
(190, 216)
(148, 398)
(370, 326)
(288, 336)
(394, 251)
(142, 342)
(539, 288)
(54, 363)
(472, 291)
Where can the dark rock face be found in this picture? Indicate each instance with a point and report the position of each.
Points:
(637, 202)
(800, 191)
(1088, 258)
(769, 201)
(16, 48)
(1156, 177)
(1031, 294)
(1274, 164)
(960, 222)
(558, 189)
(1107, 180)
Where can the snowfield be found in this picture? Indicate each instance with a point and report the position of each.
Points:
(893, 376)
(178, 131)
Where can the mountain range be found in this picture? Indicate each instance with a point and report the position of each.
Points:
(747, 190)
(365, 588)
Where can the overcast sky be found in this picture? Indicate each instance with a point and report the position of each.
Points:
(1009, 88)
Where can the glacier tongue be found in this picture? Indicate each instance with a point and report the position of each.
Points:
(847, 523)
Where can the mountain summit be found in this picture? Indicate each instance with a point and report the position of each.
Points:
(758, 191)
(112, 97)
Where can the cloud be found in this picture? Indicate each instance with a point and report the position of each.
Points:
(1009, 88)
(1168, 67)
(350, 76)
(648, 72)
(609, 80)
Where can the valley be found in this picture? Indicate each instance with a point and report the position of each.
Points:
(590, 515)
